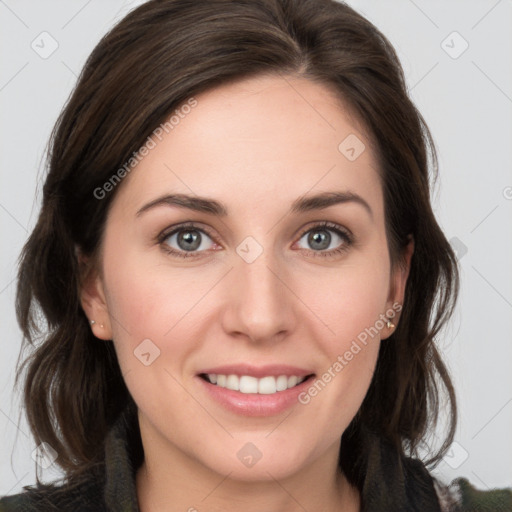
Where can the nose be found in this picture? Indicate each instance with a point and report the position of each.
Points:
(260, 305)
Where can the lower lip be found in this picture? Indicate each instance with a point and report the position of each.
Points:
(254, 404)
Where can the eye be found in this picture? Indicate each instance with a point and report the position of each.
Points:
(326, 239)
(186, 241)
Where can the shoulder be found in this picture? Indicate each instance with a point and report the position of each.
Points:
(102, 486)
(86, 496)
(462, 496)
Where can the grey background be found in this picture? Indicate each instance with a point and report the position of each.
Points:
(466, 98)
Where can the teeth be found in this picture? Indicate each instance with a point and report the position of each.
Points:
(267, 386)
(232, 382)
(247, 384)
(282, 383)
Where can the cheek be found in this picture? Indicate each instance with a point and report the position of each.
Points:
(348, 307)
(138, 301)
(145, 297)
(156, 302)
(347, 302)
(148, 312)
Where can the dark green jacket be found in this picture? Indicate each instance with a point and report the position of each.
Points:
(386, 488)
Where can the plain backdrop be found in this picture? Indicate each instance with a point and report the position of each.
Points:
(457, 58)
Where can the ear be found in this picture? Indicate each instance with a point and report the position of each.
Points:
(398, 282)
(92, 298)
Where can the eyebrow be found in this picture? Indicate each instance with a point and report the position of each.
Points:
(300, 205)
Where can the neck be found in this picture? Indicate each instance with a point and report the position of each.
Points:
(169, 480)
(173, 492)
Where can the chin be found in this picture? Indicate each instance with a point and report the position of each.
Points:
(259, 459)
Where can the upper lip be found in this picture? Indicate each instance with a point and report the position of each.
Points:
(258, 371)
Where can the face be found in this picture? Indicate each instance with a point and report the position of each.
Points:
(218, 266)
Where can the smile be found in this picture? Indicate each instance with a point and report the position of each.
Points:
(254, 390)
(267, 385)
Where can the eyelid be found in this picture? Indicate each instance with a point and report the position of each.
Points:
(192, 225)
(188, 225)
(329, 226)
(345, 234)
(197, 226)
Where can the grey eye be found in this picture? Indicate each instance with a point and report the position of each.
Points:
(189, 240)
(320, 239)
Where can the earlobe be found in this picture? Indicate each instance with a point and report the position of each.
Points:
(93, 301)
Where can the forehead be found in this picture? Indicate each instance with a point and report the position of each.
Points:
(257, 139)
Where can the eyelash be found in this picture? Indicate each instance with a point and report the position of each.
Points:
(328, 226)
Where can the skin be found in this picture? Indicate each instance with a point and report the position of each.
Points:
(255, 145)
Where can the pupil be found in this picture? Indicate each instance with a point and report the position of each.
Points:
(191, 240)
(319, 239)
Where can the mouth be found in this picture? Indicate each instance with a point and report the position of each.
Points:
(254, 391)
(267, 385)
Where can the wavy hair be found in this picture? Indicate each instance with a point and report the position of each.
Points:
(149, 64)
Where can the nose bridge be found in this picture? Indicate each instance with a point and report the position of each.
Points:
(260, 302)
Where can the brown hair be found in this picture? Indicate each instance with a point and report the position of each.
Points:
(159, 55)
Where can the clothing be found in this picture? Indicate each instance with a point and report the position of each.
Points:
(111, 488)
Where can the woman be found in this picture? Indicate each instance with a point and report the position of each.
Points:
(238, 263)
